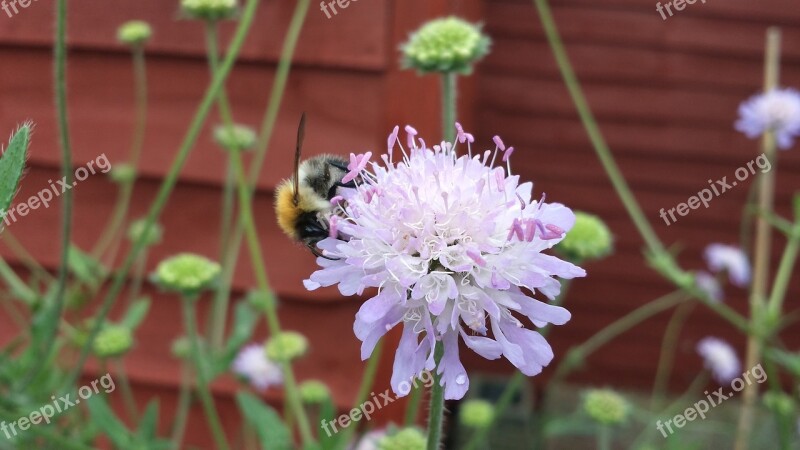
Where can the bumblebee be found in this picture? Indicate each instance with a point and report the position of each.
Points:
(303, 203)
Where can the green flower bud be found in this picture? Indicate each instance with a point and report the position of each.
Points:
(258, 300)
(779, 403)
(187, 273)
(122, 173)
(209, 9)
(476, 414)
(314, 392)
(606, 406)
(182, 347)
(286, 346)
(238, 137)
(405, 439)
(590, 238)
(113, 340)
(136, 229)
(445, 45)
(135, 32)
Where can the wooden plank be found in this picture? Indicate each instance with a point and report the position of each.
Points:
(774, 12)
(583, 22)
(102, 113)
(649, 105)
(636, 66)
(725, 147)
(351, 39)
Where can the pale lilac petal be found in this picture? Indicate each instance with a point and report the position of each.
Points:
(454, 376)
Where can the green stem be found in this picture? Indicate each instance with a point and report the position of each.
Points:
(436, 417)
(481, 435)
(138, 277)
(113, 230)
(260, 271)
(247, 221)
(761, 252)
(23, 255)
(784, 275)
(202, 376)
(616, 328)
(171, 179)
(449, 105)
(268, 126)
(182, 412)
(127, 391)
(20, 289)
(669, 267)
(412, 408)
(595, 135)
(670, 410)
(667, 355)
(367, 381)
(47, 433)
(604, 438)
(219, 317)
(60, 59)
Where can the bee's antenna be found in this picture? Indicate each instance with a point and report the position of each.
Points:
(301, 133)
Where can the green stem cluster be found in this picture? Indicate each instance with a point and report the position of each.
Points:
(763, 243)
(169, 182)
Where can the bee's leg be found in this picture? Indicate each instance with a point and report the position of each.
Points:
(339, 165)
(313, 247)
(333, 190)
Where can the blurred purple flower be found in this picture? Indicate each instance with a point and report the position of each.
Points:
(450, 242)
(731, 259)
(253, 365)
(720, 358)
(777, 110)
(709, 284)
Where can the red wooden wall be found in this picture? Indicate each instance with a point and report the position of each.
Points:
(665, 93)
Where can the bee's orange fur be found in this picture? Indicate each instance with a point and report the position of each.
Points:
(288, 212)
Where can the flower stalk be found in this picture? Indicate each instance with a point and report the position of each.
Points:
(207, 401)
(113, 229)
(436, 417)
(763, 241)
(169, 181)
(254, 247)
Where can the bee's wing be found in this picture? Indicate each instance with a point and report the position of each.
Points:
(301, 133)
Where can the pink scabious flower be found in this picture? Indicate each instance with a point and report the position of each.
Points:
(731, 259)
(777, 110)
(454, 246)
(720, 358)
(253, 365)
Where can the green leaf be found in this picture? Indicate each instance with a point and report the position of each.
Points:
(149, 422)
(244, 322)
(12, 163)
(105, 419)
(136, 313)
(272, 432)
(790, 361)
(85, 268)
